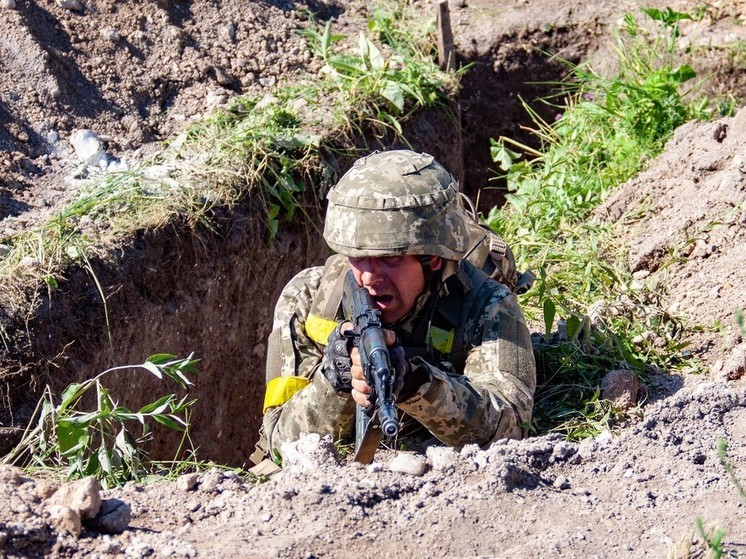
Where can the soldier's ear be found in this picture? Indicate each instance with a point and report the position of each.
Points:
(436, 263)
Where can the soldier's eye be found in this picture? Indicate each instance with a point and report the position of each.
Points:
(392, 261)
(356, 262)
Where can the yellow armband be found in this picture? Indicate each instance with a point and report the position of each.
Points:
(318, 328)
(281, 389)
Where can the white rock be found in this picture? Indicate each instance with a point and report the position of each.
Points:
(605, 437)
(87, 146)
(8, 4)
(113, 517)
(29, 262)
(267, 101)
(72, 5)
(111, 34)
(408, 464)
(735, 366)
(117, 165)
(82, 495)
(216, 98)
(443, 458)
(65, 519)
(309, 453)
(187, 482)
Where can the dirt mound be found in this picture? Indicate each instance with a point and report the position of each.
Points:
(135, 72)
(638, 494)
(684, 229)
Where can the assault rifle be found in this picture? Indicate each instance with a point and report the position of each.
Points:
(374, 357)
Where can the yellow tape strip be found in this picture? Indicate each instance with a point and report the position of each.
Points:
(281, 389)
(319, 328)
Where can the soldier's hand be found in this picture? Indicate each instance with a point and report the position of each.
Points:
(360, 388)
(337, 361)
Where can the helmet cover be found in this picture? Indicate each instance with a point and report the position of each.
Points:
(396, 202)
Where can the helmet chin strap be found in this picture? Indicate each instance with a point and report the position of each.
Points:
(427, 269)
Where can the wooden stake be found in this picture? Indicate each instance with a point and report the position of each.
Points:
(446, 50)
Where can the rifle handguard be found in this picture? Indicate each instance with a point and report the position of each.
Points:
(374, 354)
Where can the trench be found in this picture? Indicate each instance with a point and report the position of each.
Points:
(212, 293)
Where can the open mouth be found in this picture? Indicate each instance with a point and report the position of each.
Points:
(382, 301)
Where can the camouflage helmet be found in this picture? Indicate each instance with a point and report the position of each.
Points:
(396, 202)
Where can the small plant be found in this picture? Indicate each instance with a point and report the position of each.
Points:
(597, 415)
(395, 24)
(713, 539)
(403, 78)
(740, 322)
(100, 442)
(191, 464)
(343, 449)
(725, 463)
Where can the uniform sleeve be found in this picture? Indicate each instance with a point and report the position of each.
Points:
(494, 396)
(298, 400)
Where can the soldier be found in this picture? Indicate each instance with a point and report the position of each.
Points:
(458, 339)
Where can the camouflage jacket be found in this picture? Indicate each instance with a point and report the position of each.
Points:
(477, 395)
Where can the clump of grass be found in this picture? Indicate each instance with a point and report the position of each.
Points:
(740, 322)
(172, 470)
(605, 131)
(728, 467)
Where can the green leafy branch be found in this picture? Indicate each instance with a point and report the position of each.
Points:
(101, 443)
(363, 76)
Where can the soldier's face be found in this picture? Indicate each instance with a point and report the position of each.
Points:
(394, 282)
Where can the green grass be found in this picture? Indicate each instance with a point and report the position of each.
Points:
(606, 129)
(714, 539)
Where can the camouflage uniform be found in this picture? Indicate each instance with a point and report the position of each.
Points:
(468, 332)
